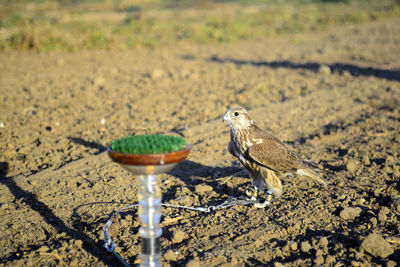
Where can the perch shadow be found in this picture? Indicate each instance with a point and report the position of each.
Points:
(50, 218)
(88, 144)
(313, 66)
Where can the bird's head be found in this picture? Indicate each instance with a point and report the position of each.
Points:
(238, 118)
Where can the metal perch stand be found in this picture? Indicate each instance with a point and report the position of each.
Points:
(147, 167)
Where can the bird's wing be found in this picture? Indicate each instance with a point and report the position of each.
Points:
(273, 154)
(231, 149)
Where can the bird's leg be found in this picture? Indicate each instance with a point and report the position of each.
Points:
(252, 192)
(268, 199)
(265, 203)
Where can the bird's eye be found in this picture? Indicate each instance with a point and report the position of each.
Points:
(236, 114)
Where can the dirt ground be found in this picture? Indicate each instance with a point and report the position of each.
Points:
(333, 96)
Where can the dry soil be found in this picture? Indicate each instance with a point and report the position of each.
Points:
(333, 97)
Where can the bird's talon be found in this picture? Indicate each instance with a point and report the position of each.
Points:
(248, 193)
(264, 204)
(251, 192)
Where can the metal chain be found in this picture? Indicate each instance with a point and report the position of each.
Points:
(108, 243)
(231, 201)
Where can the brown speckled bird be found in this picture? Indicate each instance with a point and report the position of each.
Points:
(264, 156)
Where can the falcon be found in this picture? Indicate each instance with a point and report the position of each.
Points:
(264, 156)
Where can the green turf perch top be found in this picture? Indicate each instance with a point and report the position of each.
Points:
(148, 144)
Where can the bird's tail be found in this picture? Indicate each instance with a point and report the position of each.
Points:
(310, 170)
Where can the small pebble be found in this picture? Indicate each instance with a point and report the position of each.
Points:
(366, 161)
(319, 252)
(346, 74)
(329, 259)
(323, 242)
(43, 249)
(377, 192)
(305, 246)
(395, 205)
(319, 260)
(396, 171)
(78, 243)
(355, 263)
(157, 74)
(293, 246)
(382, 217)
(324, 69)
(99, 81)
(352, 166)
(360, 201)
(374, 221)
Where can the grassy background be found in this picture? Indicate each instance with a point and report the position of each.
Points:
(72, 25)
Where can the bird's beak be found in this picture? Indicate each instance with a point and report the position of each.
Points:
(225, 118)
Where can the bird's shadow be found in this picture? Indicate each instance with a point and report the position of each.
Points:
(192, 173)
(189, 170)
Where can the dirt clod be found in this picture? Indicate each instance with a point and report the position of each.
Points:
(395, 205)
(293, 246)
(170, 255)
(323, 242)
(377, 246)
(352, 166)
(305, 246)
(350, 213)
(56, 176)
(319, 260)
(78, 243)
(179, 236)
(202, 189)
(382, 217)
(366, 161)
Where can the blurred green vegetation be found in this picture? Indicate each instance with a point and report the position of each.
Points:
(71, 25)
